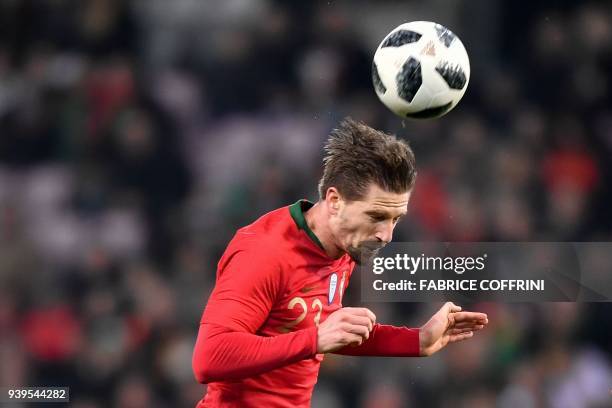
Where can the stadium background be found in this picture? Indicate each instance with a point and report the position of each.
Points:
(136, 136)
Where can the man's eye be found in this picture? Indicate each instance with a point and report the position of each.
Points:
(377, 218)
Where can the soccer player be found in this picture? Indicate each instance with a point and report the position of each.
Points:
(276, 308)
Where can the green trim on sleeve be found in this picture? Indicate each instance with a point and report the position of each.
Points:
(297, 210)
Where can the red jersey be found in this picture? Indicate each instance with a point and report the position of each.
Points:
(258, 335)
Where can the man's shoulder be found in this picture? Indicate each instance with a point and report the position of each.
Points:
(264, 245)
(269, 223)
(273, 227)
(271, 234)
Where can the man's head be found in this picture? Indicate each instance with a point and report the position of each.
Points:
(366, 184)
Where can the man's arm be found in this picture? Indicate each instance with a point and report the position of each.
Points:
(448, 325)
(387, 341)
(227, 347)
(222, 354)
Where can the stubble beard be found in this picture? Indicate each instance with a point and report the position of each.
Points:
(364, 252)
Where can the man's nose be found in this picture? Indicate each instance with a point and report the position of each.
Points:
(385, 233)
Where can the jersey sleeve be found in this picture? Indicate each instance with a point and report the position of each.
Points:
(227, 347)
(387, 341)
(248, 283)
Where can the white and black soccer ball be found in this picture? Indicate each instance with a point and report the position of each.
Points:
(420, 70)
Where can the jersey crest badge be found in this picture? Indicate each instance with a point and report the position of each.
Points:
(333, 282)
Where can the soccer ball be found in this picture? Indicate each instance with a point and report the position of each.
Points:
(420, 70)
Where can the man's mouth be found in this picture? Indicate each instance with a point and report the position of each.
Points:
(372, 247)
(366, 251)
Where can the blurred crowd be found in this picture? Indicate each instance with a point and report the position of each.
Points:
(136, 136)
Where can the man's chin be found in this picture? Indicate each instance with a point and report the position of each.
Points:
(362, 256)
(356, 258)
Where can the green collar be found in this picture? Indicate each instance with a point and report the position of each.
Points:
(297, 210)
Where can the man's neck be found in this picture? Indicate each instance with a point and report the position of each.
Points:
(316, 219)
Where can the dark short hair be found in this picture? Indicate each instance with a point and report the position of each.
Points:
(357, 155)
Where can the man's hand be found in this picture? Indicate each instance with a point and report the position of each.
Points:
(346, 326)
(449, 325)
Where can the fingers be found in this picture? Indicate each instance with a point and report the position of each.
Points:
(459, 337)
(354, 335)
(361, 311)
(359, 330)
(353, 340)
(464, 325)
(451, 307)
(466, 329)
(360, 320)
(470, 316)
(346, 326)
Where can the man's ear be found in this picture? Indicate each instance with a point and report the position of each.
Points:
(333, 200)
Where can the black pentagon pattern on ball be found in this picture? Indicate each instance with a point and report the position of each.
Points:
(431, 112)
(453, 75)
(409, 79)
(445, 35)
(378, 85)
(401, 37)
